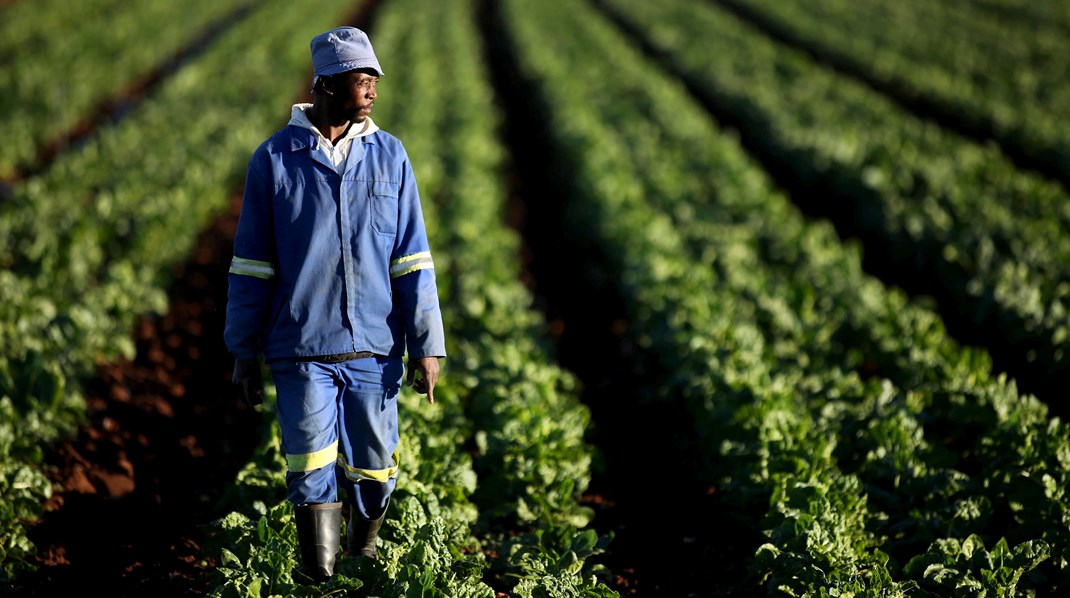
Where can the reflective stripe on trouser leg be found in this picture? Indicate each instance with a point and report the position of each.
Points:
(307, 407)
(368, 430)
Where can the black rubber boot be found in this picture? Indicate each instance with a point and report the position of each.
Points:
(363, 533)
(319, 533)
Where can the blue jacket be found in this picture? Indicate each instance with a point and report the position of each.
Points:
(326, 264)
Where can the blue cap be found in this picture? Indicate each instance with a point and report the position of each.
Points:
(342, 49)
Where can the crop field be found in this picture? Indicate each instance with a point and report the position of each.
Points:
(741, 297)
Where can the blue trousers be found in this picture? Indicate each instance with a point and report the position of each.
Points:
(340, 425)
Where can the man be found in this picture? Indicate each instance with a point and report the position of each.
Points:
(332, 282)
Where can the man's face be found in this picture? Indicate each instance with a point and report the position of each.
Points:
(356, 92)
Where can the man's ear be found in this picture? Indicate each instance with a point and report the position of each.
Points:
(325, 85)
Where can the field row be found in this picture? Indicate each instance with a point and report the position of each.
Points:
(955, 219)
(498, 465)
(87, 246)
(502, 397)
(830, 403)
(57, 68)
(873, 452)
(994, 74)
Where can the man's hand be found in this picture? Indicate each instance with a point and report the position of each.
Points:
(425, 384)
(248, 381)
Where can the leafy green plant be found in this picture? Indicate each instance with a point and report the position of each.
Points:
(953, 567)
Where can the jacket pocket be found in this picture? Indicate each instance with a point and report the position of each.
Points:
(281, 326)
(384, 205)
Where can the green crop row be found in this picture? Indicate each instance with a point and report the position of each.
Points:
(883, 459)
(1033, 14)
(501, 397)
(32, 25)
(60, 60)
(996, 78)
(992, 240)
(533, 462)
(87, 246)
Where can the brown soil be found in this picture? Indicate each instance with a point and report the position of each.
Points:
(164, 438)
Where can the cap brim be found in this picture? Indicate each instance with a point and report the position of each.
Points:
(352, 65)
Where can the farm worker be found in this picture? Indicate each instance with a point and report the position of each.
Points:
(332, 283)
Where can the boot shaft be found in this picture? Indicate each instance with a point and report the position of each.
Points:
(362, 534)
(319, 530)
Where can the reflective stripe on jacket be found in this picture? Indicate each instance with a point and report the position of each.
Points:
(327, 263)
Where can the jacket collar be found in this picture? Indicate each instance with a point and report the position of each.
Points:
(302, 138)
(312, 137)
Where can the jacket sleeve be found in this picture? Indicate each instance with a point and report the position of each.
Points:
(251, 281)
(412, 274)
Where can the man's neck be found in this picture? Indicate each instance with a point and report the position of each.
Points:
(333, 128)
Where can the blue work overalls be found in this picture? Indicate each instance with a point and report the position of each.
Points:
(328, 263)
